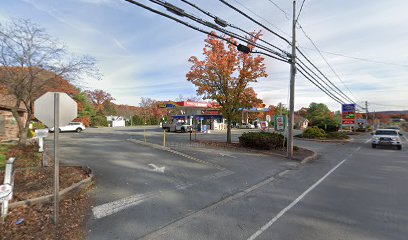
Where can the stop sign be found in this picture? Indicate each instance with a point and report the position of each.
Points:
(44, 109)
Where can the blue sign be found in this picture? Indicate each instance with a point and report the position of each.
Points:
(348, 107)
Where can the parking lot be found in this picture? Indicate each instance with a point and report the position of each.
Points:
(153, 186)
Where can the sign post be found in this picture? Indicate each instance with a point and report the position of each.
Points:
(56, 159)
(55, 109)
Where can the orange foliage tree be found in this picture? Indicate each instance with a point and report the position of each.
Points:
(99, 98)
(224, 75)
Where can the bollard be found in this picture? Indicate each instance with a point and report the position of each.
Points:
(45, 158)
(190, 134)
(164, 137)
(144, 135)
(8, 180)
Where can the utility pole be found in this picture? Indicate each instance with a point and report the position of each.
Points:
(292, 86)
(366, 108)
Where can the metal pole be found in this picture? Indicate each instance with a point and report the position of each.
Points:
(366, 117)
(292, 86)
(56, 160)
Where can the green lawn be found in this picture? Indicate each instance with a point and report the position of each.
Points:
(3, 152)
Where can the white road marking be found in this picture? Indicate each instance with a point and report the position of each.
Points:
(226, 154)
(156, 168)
(368, 140)
(292, 204)
(406, 139)
(121, 204)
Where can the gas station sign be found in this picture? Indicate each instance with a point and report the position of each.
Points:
(348, 114)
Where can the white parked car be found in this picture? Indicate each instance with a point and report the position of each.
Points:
(247, 125)
(71, 127)
(386, 137)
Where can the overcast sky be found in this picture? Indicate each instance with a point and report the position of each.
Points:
(145, 55)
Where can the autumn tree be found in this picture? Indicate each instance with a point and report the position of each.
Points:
(99, 98)
(147, 107)
(30, 60)
(224, 76)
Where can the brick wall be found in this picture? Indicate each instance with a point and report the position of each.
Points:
(8, 126)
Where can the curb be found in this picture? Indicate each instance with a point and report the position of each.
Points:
(309, 158)
(49, 198)
(322, 140)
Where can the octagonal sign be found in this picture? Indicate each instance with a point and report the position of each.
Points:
(44, 109)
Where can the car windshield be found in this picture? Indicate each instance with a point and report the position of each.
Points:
(385, 132)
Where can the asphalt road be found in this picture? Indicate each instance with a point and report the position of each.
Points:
(350, 192)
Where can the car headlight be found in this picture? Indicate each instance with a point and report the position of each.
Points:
(376, 138)
(394, 138)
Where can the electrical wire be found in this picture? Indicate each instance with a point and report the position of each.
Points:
(327, 91)
(322, 80)
(356, 58)
(228, 40)
(334, 85)
(301, 72)
(197, 28)
(287, 41)
(301, 7)
(215, 27)
(278, 7)
(255, 21)
(217, 19)
(331, 68)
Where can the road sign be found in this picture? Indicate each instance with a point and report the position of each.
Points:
(280, 123)
(6, 192)
(55, 109)
(44, 109)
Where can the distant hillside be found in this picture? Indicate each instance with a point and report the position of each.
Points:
(393, 112)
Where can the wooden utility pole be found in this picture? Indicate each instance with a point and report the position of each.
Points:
(292, 86)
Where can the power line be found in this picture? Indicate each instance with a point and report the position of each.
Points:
(222, 22)
(314, 66)
(197, 28)
(255, 21)
(228, 24)
(304, 75)
(287, 41)
(182, 12)
(318, 50)
(357, 58)
(325, 82)
(301, 7)
(283, 11)
(259, 16)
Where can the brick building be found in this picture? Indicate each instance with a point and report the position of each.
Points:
(8, 124)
